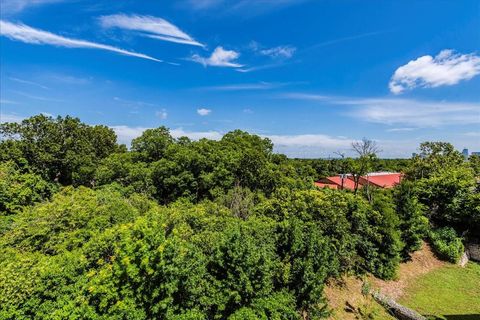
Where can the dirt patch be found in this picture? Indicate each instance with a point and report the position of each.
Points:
(423, 261)
(346, 299)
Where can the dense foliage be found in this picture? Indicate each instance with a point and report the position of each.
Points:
(227, 229)
(447, 244)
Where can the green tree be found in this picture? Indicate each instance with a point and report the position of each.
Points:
(152, 144)
(61, 149)
(413, 222)
(20, 189)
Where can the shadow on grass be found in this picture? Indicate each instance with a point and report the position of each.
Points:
(462, 317)
(454, 317)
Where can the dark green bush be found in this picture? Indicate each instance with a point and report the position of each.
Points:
(446, 244)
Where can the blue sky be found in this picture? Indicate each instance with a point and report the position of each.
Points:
(313, 76)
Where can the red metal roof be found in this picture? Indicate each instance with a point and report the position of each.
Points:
(384, 180)
(381, 180)
(347, 183)
(326, 185)
(335, 183)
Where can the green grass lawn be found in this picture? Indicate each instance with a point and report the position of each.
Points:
(451, 293)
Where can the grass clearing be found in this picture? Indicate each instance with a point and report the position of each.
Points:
(450, 292)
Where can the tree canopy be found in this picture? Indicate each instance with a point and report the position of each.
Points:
(227, 229)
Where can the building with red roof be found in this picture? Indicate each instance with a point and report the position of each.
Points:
(336, 182)
(377, 179)
(385, 180)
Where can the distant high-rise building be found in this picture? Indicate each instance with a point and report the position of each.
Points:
(465, 153)
(475, 153)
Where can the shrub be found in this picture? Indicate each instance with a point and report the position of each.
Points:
(446, 244)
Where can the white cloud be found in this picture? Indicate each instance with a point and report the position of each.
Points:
(29, 83)
(15, 6)
(154, 27)
(68, 79)
(203, 4)
(5, 117)
(283, 52)
(126, 134)
(414, 113)
(248, 86)
(204, 112)
(472, 134)
(219, 58)
(395, 111)
(301, 145)
(35, 97)
(162, 114)
(31, 35)
(310, 140)
(196, 135)
(247, 8)
(401, 129)
(5, 101)
(445, 69)
(261, 67)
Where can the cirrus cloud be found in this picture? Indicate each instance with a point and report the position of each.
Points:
(26, 34)
(153, 27)
(445, 69)
(282, 52)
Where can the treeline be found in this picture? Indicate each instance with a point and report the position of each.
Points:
(181, 229)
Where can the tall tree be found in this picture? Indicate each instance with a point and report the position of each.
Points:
(366, 151)
(61, 149)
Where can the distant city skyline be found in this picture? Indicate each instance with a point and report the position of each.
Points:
(312, 76)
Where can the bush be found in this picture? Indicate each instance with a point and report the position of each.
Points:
(446, 244)
(19, 189)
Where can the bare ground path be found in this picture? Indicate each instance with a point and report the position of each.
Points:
(346, 298)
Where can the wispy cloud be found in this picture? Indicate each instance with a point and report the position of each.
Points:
(445, 69)
(247, 8)
(6, 101)
(10, 117)
(415, 113)
(26, 34)
(279, 52)
(152, 27)
(15, 6)
(260, 67)
(202, 4)
(204, 112)
(133, 103)
(69, 79)
(394, 111)
(248, 86)
(35, 97)
(219, 58)
(472, 134)
(162, 114)
(347, 38)
(29, 83)
(401, 129)
(283, 52)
